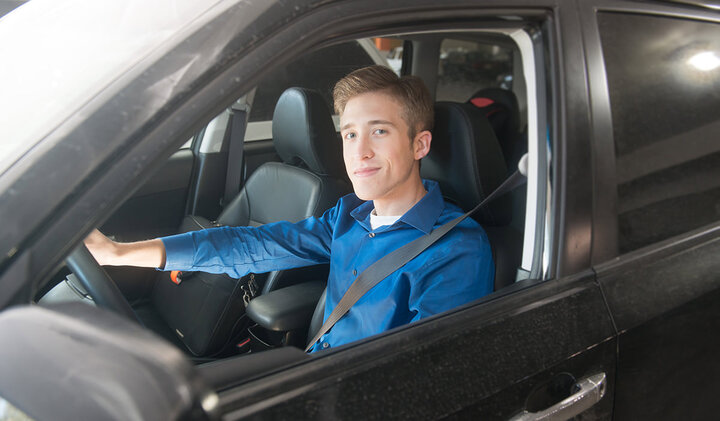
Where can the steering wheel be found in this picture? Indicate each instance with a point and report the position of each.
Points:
(98, 283)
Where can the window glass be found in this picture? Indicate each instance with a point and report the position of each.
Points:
(392, 50)
(664, 82)
(465, 67)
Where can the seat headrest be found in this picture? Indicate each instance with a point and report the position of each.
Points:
(466, 160)
(303, 131)
(504, 97)
(501, 108)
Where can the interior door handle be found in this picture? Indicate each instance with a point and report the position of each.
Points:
(591, 390)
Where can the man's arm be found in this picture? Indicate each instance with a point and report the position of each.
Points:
(235, 251)
(150, 253)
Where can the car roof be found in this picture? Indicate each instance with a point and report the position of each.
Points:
(58, 55)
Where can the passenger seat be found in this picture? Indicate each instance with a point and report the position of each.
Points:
(500, 106)
(467, 161)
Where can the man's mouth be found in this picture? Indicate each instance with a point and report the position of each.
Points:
(366, 172)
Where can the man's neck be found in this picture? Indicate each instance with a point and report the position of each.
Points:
(399, 202)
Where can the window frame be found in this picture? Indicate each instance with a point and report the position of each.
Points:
(537, 253)
(159, 143)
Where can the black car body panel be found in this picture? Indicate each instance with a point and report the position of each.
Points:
(646, 319)
(467, 360)
(665, 305)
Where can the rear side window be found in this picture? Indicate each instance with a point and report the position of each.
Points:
(664, 81)
(466, 66)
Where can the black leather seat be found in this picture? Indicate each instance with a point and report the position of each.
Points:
(311, 177)
(467, 161)
(500, 106)
(310, 180)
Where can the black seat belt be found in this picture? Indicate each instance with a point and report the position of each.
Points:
(393, 261)
(236, 150)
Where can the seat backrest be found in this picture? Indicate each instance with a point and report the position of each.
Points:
(466, 160)
(310, 180)
(500, 106)
(311, 177)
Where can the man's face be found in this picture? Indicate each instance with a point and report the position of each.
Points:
(380, 157)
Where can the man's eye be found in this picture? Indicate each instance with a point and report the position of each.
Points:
(349, 136)
(379, 132)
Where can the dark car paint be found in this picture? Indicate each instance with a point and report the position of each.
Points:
(665, 305)
(444, 365)
(479, 361)
(663, 298)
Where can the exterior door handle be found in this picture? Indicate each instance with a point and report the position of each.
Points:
(591, 390)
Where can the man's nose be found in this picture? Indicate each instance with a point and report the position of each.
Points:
(363, 147)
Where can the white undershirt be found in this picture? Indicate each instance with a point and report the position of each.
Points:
(377, 221)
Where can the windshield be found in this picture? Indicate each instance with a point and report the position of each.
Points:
(58, 55)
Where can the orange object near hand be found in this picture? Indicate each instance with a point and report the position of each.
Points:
(175, 276)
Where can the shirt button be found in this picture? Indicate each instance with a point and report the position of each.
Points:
(325, 345)
(371, 235)
(354, 272)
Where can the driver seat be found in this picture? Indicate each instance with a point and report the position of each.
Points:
(204, 310)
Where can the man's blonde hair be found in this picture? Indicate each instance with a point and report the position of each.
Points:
(409, 91)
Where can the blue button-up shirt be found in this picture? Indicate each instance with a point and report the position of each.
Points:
(455, 270)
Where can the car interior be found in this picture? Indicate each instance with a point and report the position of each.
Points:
(275, 155)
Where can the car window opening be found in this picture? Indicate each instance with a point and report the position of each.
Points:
(496, 81)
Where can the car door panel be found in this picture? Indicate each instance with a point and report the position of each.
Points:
(578, 367)
(665, 303)
(158, 207)
(482, 361)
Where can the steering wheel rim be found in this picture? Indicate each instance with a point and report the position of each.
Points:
(98, 283)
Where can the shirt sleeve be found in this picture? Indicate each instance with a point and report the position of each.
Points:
(460, 271)
(238, 251)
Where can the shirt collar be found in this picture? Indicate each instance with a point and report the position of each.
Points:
(421, 216)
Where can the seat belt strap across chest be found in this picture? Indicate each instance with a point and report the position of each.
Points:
(396, 259)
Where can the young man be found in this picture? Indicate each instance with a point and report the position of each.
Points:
(385, 122)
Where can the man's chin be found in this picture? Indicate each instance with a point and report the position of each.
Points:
(363, 193)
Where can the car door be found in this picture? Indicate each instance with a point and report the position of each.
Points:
(526, 348)
(655, 81)
(543, 342)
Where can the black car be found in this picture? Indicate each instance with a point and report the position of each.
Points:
(138, 117)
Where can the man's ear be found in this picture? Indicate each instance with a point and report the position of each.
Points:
(421, 144)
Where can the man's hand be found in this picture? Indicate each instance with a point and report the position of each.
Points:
(150, 253)
(103, 249)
